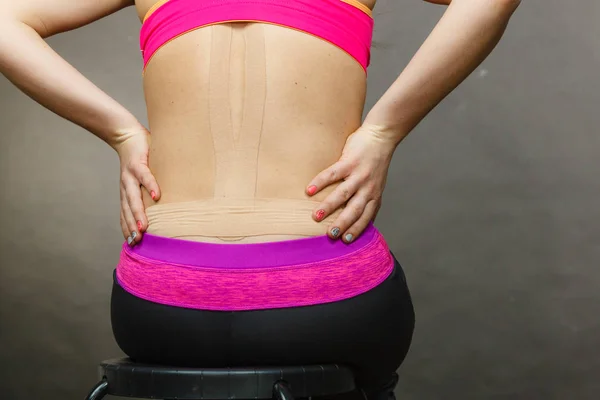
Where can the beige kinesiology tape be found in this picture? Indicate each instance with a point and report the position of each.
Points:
(237, 85)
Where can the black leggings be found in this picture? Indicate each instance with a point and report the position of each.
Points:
(371, 333)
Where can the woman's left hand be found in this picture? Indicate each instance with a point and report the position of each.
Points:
(363, 168)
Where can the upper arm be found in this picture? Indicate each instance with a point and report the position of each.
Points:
(504, 5)
(49, 17)
(444, 2)
(508, 3)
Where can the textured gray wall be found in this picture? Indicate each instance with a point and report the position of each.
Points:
(491, 206)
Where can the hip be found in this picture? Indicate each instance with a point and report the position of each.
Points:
(370, 332)
(286, 273)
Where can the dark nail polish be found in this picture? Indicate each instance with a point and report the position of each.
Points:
(335, 232)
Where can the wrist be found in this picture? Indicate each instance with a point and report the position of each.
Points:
(119, 137)
(392, 135)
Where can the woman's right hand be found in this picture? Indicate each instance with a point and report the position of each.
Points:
(133, 149)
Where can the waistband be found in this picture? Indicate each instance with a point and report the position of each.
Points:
(247, 255)
(236, 277)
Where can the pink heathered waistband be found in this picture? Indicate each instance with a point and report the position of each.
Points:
(232, 277)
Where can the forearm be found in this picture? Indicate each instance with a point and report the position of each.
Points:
(463, 38)
(29, 63)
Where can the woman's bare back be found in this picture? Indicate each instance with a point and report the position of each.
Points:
(242, 116)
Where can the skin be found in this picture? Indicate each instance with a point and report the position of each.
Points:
(344, 160)
(462, 39)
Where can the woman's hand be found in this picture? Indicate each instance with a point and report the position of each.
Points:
(363, 168)
(133, 148)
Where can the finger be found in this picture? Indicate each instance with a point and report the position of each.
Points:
(332, 174)
(124, 227)
(134, 235)
(347, 218)
(336, 199)
(361, 224)
(133, 194)
(144, 175)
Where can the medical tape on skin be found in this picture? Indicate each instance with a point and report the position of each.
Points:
(236, 150)
(234, 218)
(236, 102)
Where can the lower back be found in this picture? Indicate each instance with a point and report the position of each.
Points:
(242, 117)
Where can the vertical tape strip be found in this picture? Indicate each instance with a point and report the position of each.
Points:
(234, 83)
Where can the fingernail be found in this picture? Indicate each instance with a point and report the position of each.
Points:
(129, 240)
(139, 224)
(320, 214)
(312, 189)
(335, 232)
(348, 237)
(133, 235)
(153, 195)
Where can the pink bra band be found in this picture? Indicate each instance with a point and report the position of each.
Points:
(335, 21)
(230, 277)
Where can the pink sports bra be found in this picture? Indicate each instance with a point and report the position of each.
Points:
(347, 24)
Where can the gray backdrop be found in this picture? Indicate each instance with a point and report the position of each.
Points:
(491, 206)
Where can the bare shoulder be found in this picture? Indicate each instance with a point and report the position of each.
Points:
(49, 17)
